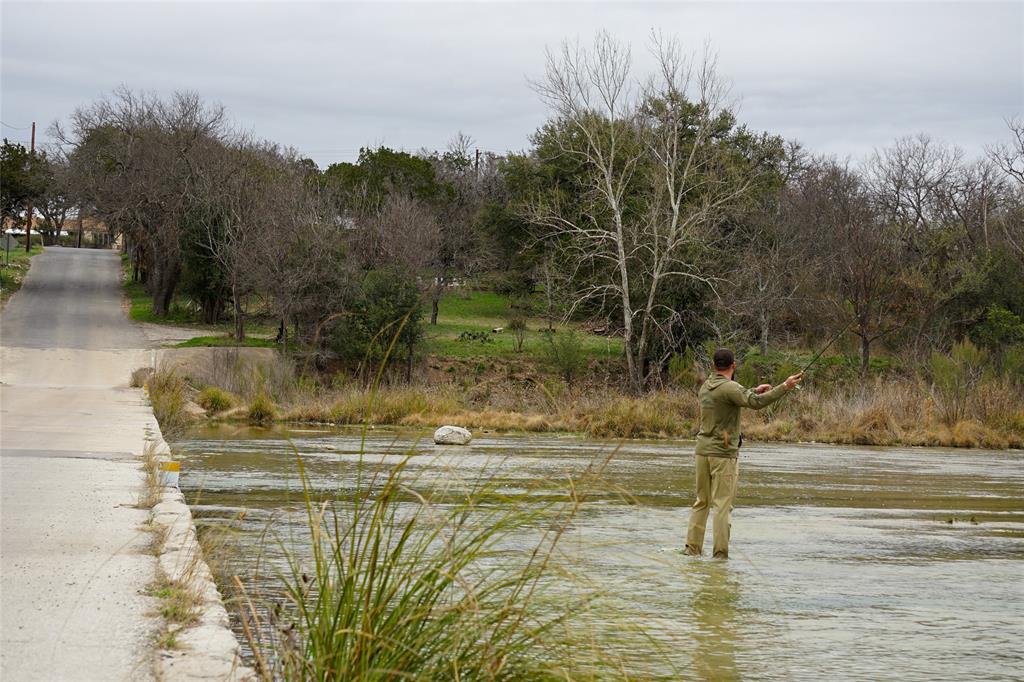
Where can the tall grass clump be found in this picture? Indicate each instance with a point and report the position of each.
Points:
(403, 584)
(168, 394)
(656, 415)
(955, 378)
(214, 399)
(261, 410)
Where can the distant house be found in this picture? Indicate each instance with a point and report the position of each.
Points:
(94, 232)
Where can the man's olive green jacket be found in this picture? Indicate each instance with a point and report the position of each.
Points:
(720, 403)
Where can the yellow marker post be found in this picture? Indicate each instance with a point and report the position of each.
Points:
(169, 472)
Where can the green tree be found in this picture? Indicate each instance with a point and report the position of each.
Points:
(56, 199)
(203, 276)
(22, 178)
(383, 323)
(363, 187)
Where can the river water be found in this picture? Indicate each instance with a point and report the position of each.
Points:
(850, 563)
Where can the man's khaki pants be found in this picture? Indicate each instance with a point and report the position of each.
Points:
(716, 487)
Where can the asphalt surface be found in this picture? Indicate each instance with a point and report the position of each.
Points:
(74, 563)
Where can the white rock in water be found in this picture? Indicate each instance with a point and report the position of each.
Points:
(452, 435)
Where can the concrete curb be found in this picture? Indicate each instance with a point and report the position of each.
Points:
(209, 650)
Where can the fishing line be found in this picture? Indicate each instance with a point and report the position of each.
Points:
(822, 351)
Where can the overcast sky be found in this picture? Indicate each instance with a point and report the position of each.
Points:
(328, 78)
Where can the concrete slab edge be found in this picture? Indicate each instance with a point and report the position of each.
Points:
(208, 648)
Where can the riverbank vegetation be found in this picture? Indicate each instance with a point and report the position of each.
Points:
(962, 402)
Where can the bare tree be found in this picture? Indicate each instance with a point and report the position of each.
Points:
(972, 199)
(56, 200)
(656, 180)
(137, 158)
(1009, 157)
(404, 232)
(765, 285)
(295, 255)
(861, 271)
(457, 251)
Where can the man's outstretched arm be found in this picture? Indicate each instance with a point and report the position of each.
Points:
(764, 395)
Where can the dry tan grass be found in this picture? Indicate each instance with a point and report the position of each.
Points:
(893, 413)
(883, 412)
(151, 490)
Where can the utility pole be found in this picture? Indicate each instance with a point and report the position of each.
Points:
(28, 218)
(476, 166)
(80, 209)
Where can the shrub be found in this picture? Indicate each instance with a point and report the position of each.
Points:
(384, 323)
(564, 352)
(955, 377)
(520, 310)
(999, 328)
(1013, 365)
(213, 399)
(517, 325)
(478, 336)
(261, 410)
(684, 370)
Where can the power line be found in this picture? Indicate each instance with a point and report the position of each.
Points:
(15, 127)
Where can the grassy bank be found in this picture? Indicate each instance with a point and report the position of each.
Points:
(887, 410)
(12, 273)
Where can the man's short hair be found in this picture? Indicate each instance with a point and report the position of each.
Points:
(724, 358)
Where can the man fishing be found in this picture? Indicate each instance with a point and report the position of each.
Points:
(718, 444)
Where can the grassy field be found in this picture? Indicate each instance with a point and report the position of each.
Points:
(483, 311)
(12, 274)
(225, 340)
(460, 312)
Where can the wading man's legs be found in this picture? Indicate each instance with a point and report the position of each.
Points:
(724, 472)
(715, 481)
(699, 511)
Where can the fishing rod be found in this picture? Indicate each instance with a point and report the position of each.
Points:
(822, 351)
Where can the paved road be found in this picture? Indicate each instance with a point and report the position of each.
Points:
(73, 558)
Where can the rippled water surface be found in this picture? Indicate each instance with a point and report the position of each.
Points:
(852, 563)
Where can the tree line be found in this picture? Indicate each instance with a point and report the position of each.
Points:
(643, 206)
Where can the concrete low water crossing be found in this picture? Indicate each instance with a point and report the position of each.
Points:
(850, 563)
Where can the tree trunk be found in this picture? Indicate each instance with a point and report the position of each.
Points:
(162, 284)
(408, 367)
(435, 298)
(865, 355)
(212, 307)
(239, 316)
